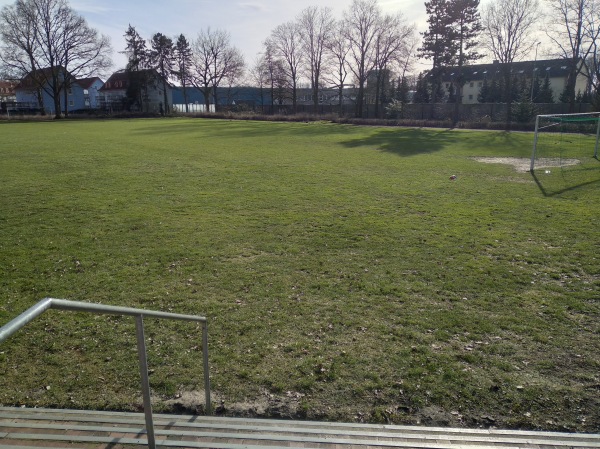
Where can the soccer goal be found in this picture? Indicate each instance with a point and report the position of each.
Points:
(561, 139)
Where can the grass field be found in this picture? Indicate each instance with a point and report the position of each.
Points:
(345, 276)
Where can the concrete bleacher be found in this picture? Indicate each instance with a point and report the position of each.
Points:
(25, 428)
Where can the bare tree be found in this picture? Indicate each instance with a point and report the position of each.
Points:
(19, 44)
(316, 27)
(214, 59)
(52, 45)
(284, 43)
(360, 29)
(573, 29)
(390, 51)
(275, 74)
(84, 52)
(258, 75)
(338, 48)
(508, 29)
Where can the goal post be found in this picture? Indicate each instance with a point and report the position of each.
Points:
(556, 135)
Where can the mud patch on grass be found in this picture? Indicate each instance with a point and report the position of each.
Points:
(523, 164)
(285, 406)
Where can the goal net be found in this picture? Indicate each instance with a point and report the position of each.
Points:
(564, 139)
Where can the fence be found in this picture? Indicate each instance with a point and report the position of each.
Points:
(49, 303)
(493, 112)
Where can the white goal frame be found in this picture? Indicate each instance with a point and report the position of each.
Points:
(537, 129)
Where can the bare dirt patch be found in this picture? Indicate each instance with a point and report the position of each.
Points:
(522, 164)
(269, 405)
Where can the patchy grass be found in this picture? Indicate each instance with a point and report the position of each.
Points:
(344, 275)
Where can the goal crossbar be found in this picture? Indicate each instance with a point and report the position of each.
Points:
(557, 119)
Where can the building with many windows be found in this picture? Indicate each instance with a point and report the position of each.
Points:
(476, 76)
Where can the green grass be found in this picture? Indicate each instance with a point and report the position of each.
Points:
(344, 275)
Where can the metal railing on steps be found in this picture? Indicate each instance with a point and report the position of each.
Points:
(75, 306)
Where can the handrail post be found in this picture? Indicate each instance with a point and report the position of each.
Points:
(206, 373)
(141, 346)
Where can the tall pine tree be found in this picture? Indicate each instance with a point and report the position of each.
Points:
(182, 65)
(137, 62)
(465, 30)
(437, 42)
(450, 40)
(161, 58)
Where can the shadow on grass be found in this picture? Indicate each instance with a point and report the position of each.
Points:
(238, 128)
(547, 192)
(405, 142)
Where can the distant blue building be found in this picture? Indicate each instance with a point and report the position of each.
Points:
(226, 96)
(80, 95)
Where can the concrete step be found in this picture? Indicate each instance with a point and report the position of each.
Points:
(24, 428)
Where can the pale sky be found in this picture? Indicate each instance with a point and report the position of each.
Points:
(249, 22)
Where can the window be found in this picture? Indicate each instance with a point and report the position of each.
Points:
(471, 84)
(71, 103)
(70, 91)
(480, 84)
(470, 97)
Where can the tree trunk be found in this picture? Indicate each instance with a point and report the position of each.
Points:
(185, 98)
(215, 97)
(509, 98)
(359, 99)
(206, 93)
(167, 107)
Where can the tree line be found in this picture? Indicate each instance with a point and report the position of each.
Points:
(203, 63)
(365, 45)
(366, 48)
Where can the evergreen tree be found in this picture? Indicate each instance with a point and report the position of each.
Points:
(466, 27)
(545, 95)
(451, 94)
(484, 93)
(523, 110)
(421, 91)
(565, 95)
(437, 40)
(496, 91)
(451, 39)
(136, 51)
(161, 58)
(137, 62)
(595, 98)
(402, 90)
(182, 53)
(535, 88)
(516, 90)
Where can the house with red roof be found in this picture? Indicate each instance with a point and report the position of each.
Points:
(78, 95)
(135, 91)
(7, 91)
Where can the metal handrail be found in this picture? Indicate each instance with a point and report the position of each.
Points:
(50, 303)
